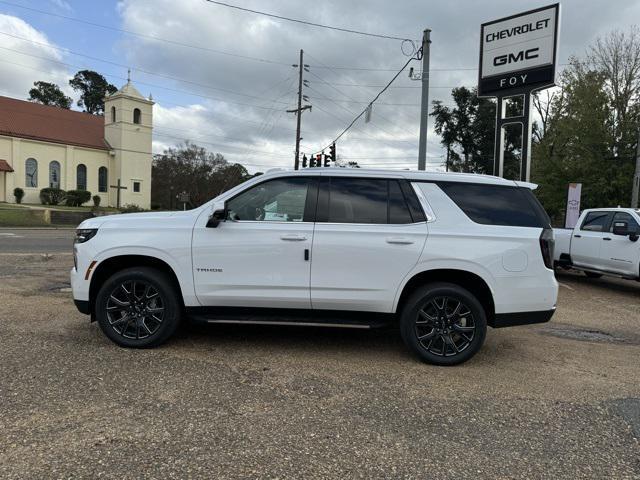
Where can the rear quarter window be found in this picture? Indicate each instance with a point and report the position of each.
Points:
(497, 204)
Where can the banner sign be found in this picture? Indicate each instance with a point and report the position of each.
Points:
(518, 53)
(573, 205)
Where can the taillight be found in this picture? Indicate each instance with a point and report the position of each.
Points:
(547, 242)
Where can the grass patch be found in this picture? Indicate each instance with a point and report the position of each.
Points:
(19, 218)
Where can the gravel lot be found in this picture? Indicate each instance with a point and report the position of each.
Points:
(560, 400)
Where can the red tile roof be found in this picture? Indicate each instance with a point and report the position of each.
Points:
(19, 118)
(5, 167)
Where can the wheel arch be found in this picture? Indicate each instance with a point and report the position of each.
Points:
(111, 265)
(470, 281)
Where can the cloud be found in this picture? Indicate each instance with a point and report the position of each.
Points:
(62, 5)
(19, 70)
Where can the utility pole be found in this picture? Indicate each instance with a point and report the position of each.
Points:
(636, 176)
(424, 106)
(298, 111)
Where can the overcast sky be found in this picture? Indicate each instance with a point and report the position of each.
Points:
(207, 91)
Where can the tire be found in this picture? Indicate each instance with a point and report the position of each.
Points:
(593, 274)
(437, 314)
(138, 308)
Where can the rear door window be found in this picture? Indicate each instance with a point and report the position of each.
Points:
(497, 204)
(365, 201)
(595, 221)
(357, 200)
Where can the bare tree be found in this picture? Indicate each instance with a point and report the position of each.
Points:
(617, 56)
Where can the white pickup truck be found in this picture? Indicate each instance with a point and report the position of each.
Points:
(604, 242)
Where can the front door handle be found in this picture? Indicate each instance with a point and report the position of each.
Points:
(577, 236)
(399, 240)
(293, 237)
(606, 238)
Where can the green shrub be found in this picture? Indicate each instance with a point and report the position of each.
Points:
(131, 208)
(96, 200)
(52, 196)
(19, 194)
(75, 198)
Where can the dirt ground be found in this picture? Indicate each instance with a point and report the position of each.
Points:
(560, 400)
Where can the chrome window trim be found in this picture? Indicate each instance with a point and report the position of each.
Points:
(428, 211)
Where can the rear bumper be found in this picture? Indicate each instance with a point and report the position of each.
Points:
(521, 318)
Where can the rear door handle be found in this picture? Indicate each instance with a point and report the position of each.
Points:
(606, 238)
(293, 237)
(399, 240)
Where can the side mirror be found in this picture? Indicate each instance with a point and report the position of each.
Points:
(216, 217)
(621, 228)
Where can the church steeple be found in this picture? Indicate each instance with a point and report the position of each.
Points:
(128, 130)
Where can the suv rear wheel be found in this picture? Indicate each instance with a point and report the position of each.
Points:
(138, 308)
(443, 323)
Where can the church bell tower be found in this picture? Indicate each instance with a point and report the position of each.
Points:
(128, 119)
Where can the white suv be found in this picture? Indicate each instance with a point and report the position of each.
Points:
(440, 255)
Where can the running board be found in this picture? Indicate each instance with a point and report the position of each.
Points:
(290, 323)
(289, 317)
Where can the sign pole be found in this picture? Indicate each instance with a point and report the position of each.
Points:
(636, 176)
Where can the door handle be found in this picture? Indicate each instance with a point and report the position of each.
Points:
(292, 237)
(606, 238)
(399, 240)
(577, 236)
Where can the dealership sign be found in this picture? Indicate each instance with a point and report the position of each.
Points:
(518, 53)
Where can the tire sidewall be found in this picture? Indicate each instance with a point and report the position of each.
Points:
(159, 281)
(423, 295)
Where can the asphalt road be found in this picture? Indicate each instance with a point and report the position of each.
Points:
(36, 240)
(560, 400)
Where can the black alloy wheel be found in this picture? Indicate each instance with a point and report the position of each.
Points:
(443, 323)
(445, 326)
(138, 307)
(135, 309)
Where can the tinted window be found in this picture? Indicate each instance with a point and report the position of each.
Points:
(595, 221)
(280, 200)
(398, 210)
(497, 205)
(623, 217)
(357, 200)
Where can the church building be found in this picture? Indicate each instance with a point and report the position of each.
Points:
(43, 146)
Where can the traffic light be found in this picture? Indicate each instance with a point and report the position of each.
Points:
(332, 152)
(304, 161)
(327, 160)
(318, 162)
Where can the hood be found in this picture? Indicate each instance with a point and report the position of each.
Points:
(129, 220)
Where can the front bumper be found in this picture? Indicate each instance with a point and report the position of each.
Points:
(82, 306)
(501, 320)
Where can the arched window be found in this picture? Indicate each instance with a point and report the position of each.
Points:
(31, 173)
(136, 115)
(113, 114)
(54, 174)
(81, 177)
(103, 176)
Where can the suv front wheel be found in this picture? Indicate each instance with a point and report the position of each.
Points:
(138, 307)
(443, 323)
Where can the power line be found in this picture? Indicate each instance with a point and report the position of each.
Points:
(136, 69)
(370, 104)
(305, 22)
(142, 35)
(139, 82)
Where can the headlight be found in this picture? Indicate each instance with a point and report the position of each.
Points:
(85, 234)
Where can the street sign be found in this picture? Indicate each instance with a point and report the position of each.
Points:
(518, 53)
(573, 205)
